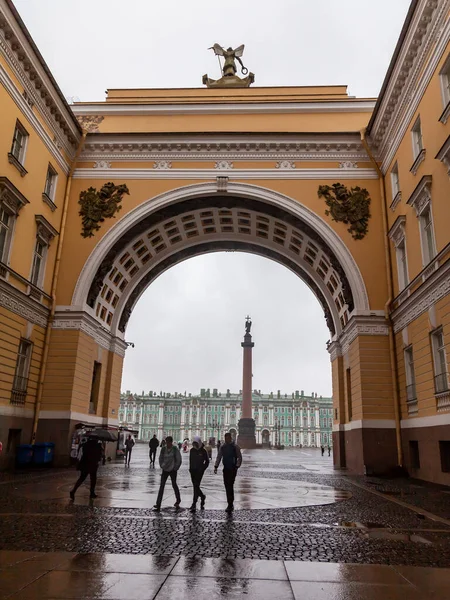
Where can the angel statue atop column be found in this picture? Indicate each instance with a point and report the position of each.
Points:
(229, 69)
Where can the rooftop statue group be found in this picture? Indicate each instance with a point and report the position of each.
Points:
(229, 69)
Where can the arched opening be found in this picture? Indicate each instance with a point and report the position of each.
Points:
(265, 438)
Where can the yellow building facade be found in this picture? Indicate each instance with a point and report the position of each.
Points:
(209, 169)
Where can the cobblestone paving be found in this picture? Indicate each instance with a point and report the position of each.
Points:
(36, 515)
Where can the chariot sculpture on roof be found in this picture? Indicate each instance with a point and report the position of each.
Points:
(229, 69)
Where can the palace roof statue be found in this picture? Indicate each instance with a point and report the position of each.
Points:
(229, 69)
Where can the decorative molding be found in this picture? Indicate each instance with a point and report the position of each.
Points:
(222, 184)
(418, 58)
(444, 154)
(336, 174)
(397, 231)
(285, 165)
(19, 303)
(365, 424)
(362, 325)
(335, 350)
(90, 123)
(234, 108)
(348, 164)
(16, 46)
(213, 147)
(432, 421)
(45, 230)
(82, 321)
(76, 416)
(223, 165)
(102, 164)
(16, 163)
(396, 201)
(53, 145)
(418, 161)
(437, 286)
(162, 164)
(11, 196)
(421, 196)
(49, 202)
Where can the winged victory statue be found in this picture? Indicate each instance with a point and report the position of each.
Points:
(229, 77)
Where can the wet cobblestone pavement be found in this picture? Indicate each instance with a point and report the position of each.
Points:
(291, 505)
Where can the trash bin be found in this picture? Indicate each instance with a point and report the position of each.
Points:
(43, 453)
(24, 454)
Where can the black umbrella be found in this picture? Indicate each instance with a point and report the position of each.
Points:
(105, 435)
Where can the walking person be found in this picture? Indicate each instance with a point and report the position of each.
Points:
(153, 445)
(128, 448)
(329, 450)
(170, 462)
(230, 454)
(90, 455)
(322, 449)
(198, 463)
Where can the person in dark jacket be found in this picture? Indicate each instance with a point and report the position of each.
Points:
(153, 445)
(230, 454)
(91, 454)
(198, 463)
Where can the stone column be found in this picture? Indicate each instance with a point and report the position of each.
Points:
(246, 425)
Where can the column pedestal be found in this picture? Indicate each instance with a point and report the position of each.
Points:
(246, 436)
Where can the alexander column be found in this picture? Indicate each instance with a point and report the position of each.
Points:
(246, 425)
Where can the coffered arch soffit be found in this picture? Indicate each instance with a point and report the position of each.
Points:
(197, 219)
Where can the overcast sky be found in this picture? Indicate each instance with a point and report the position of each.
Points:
(188, 325)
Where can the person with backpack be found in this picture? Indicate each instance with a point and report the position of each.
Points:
(170, 462)
(153, 445)
(198, 463)
(89, 455)
(230, 454)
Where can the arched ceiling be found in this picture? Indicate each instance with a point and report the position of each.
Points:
(213, 223)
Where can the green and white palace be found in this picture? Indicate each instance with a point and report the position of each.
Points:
(289, 419)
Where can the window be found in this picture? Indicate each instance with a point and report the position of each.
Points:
(427, 235)
(95, 388)
(417, 139)
(50, 187)
(20, 383)
(5, 234)
(38, 261)
(395, 182)
(402, 265)
(445, 82)
(414, 454)
(411, 396)
(19, 143)
(444, 449)
(439, 361)
(349, 393)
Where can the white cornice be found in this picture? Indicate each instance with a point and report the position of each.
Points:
(421, 196)
(343, 148)
(81, 321)
(19, 303)
(26, 110)
(432, 421)
(429, 33)
(362, 325)
(239, 174)
(366, 424)
(431, 291)
(444, 154)
(235, 108)
(22, 59)
(397, 231)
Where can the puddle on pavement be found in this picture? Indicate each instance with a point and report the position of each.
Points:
(378, 531)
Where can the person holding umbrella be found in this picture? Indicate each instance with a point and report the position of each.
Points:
(89, 456)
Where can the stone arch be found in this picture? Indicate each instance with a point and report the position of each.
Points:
(196, 219)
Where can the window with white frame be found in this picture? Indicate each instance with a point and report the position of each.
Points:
(5, 233)
(19, 143)
(417, 139)
(50, 183)
(10, 204)
(20, 383)
(445, 82)
(38, 263)
(427, 235)
(410, 375)
(402, 265)
(395, 181)
(439, 361)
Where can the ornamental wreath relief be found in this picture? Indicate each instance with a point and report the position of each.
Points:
(348, 206)
(98, 206)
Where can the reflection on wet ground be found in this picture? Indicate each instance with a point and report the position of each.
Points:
(295, 519)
